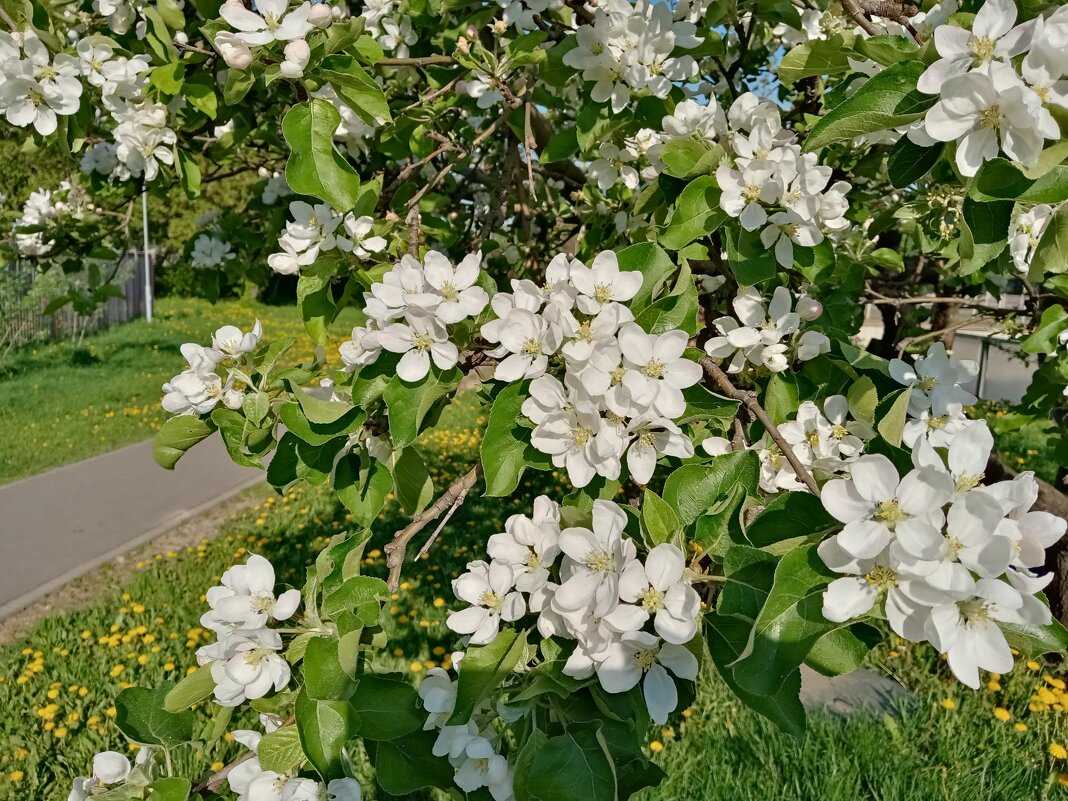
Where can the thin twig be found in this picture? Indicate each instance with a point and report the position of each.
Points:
(949, 329)
(749, 400)
(431, 96)
(453, 496)
(418, 61)
(853, 9)
(528, 145)
(7, 19)
(444, 521)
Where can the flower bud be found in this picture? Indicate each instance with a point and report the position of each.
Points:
(181, 37)
(320, 15)
(462, 45)
(297, 55)
(808, 308)
(499, 26)
(234, 52)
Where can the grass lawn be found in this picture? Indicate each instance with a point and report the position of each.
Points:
(57, 683)
(61, 404)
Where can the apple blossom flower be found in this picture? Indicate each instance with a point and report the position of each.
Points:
(935, 380)
(419, 339)
(271, 24)
(640, 656)
(603, 282)
(249, 666)
(245, 598)
(593, 561)
(489, 590)
(657, 589)
(656, 371)
(529, 545)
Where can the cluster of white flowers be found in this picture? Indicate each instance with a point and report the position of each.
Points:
(121, 14)
(825, 442)
(948, 558)
(629, 48)
(622, 387)
(770, 172)
(210, 252)
(1025, 233)
(246, 661)
(315, 229)
(996, 84)
(40, 208)
(143, 141)
(409, 310)
(214, 374)
(767, 336)
(473, 748)
(36, 87)
(523, 14)
(271, 22)
(390, 26)
(251, 782)
(936, 405)
(606, 600)
(111, 769)
(275, 187)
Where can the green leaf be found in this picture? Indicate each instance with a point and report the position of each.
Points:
(408, 764)
(315, 166)
(324, 678)
(1034, 641)
(317, 410)
(280, 750)
(789, 624)
(1045, 338)
(656, 268)
(176, 436)
(909, 162)
(697, 214)
(324, 728)
(238, 82)
(170, 788)
(485, 667)
(789, 515)
(362, 483)
(749, 260)
(686, 158)
(505, 450)
(863, 398)
(200, 92)
(361, 596)
(673, 312)
(168, 77)
(358, 89)
(892, 424)
(385, 708)
(780, 397)
(196, 687)
(809, 59)
(985, 234)
(315, 303)
(727, 638)
(885, 49)
(1051, 255)
(409, 404)
(658, 519)
(888, 100)
(574, 766)
(693, 488)
(561, 145)
(1000, 179)
(142, 716)
(842, 651)
(171, 14)
(415, 489)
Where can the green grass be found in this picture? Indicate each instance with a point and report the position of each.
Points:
(947, 745)
(61, 403)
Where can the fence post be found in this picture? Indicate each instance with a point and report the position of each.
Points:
(148, 268)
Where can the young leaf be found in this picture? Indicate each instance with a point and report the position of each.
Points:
(315, 166)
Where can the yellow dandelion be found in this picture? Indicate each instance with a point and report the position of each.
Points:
(1002, 714)
(1058, 751)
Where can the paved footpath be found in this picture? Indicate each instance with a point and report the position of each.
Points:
(58, 525)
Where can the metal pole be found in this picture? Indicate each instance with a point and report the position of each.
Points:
(148, 267)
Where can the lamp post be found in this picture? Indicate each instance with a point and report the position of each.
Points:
(144, 256)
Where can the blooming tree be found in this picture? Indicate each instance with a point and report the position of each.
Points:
(648, 231)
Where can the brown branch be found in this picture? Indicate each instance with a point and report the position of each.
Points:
(452, 497)
(853, 9)
(444, 521)
(907, 342)
(419, 61)
(749, 400)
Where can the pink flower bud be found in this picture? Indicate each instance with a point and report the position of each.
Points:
(808, 308)
(235, 53)
(320, 15)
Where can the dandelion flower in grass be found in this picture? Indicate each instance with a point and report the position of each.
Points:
(1002, 714)
(1058, 751)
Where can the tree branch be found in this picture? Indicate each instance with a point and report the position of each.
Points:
(449, 500)
(418, 61)
(853, 9)
(749, 400)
